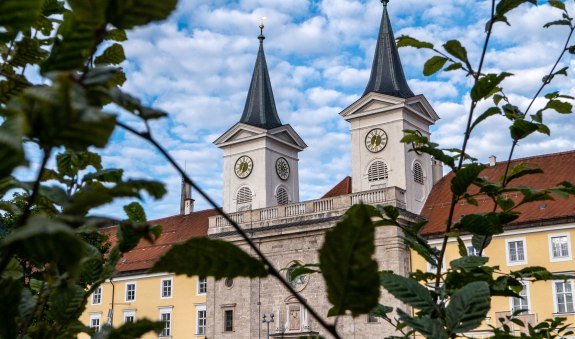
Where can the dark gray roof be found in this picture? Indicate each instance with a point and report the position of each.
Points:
(386, 73)
(260, 109)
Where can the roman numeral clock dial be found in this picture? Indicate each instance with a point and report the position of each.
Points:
(376, 140)
(243, 166)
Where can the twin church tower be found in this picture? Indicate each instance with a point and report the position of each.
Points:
(261, 153)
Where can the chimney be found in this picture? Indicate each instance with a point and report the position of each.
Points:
(492, 161)
(186, 201)
(436, 170)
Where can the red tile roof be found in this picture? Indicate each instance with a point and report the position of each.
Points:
(342, 188)
(556, 168)
(175, 229)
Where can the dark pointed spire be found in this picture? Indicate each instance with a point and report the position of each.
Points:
(260, 109)
(387, 73)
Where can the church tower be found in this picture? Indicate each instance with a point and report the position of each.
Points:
(377, 123)
(260, 153)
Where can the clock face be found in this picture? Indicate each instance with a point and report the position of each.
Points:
(414, 145)
(376, 140)
(282, 168)
(243, 166)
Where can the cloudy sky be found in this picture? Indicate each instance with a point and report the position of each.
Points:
(197, 66)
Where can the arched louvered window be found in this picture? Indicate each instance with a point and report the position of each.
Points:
(282, 196)
(377, 171)
(417, 173)
(244, 196)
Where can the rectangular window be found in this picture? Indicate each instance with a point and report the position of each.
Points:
(371, 318)
(516, 251)
(166, 288)
(472, 251)
(564, 296)
(201, 317)
(129, 316)
(559, 247)
(521, 304)
(97, 296)
(95, 322)
(130, 291)
(202, 285)
(166, 318)
(228, 320)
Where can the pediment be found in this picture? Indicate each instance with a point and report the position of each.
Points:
(242, 134)
(374, 103)
(239, 132)
(288, 135)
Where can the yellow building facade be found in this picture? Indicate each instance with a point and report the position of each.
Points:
(179, 301)
(542, 236)
(133, 293)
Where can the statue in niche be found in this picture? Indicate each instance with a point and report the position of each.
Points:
(294, 318)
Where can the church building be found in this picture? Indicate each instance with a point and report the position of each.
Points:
(261, 193)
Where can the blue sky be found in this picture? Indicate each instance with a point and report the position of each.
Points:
(197, 66)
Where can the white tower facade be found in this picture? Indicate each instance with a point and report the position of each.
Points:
(260, 153)
(377, 123)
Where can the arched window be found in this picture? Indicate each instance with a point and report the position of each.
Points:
(244, 196)
(417, 173)
(282, 196)
(377, 171)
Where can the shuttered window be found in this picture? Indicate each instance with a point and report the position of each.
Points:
(244, 196)
(417, 173)
(282, 196)
(377, 171)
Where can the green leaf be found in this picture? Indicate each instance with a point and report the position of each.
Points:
(407, 41)
(521, 170)
(19, 14)
(453, 67)
(422, 248)
(468, 307)
(481, 223)
(116, 35)
(70, 162)
(67, 303)
(504, 6)
(408, 291)
(113, 55)
(461, 247)
(488, 113)
(557, 4)
(27, 51)
(135, 212)
(44, 240)
(522, 129)
(486, 85)
(433, 65)
(134, 106)
(381, 311)
(12, 86)
(107, 175)
(468, 262)
(560, 106)
(464, 178)
(557, 23)
(10, 292)
(210, 258)
(429, 328)
(125, 14)
(480, 242)
(347, 264)
(455, 48)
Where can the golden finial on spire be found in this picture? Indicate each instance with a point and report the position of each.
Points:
(261, 26)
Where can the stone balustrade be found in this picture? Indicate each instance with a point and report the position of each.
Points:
(312, 209)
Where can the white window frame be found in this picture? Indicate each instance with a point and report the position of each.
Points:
(201, 308)
(556, 235)
(96, 317)
(507, 257)
(129, 313)
(126, 291)
(97, 291)
(171, 280)
(527, 297)
(198, 286)
(555, 304)
(467, 246)
(167, 310)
